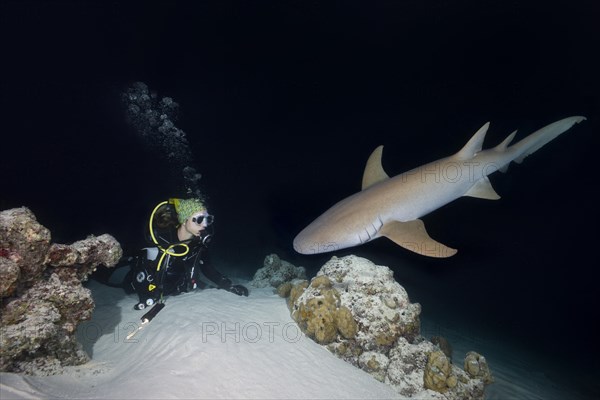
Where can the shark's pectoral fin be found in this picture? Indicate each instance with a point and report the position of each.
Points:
(483, 190)
(412, 236)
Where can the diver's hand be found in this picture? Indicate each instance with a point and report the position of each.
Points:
(226, 284)
(238, 289)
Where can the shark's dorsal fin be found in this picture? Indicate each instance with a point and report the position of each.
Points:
(412, 236)
(474, 145)
(483, 189)
(374, 170)
(502, 147)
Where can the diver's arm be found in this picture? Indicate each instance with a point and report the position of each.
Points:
(220, 280)
(203, 261)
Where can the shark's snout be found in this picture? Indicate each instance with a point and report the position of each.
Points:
(299, 246)
(307, 244)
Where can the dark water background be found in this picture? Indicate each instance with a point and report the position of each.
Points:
(284, 101)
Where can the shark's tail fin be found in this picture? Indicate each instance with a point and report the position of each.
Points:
(539, 138)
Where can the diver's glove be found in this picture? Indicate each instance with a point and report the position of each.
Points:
(226, 284)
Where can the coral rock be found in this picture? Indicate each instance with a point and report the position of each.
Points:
(352, 298)
(295, 292)
(43, 299)
(9, 275)
(477, 367)
(345, 323)
(316, 316)
(24, 241)
(444, 345)
(407, 366)
(364, 316)
(275, 272)
(285, 289)
(375, 364)
(437, 372)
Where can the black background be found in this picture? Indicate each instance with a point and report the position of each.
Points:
(284, 101)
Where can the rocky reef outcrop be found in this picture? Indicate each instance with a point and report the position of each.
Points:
(42, 296)
(365, 317)
(276, 272)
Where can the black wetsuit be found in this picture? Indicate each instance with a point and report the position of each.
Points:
(176, 274)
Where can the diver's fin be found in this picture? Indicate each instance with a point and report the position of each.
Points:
(412, 236)
(483, 190)
(374, 170)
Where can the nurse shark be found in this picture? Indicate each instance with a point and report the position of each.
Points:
(392, 207)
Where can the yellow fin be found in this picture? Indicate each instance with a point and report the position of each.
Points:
(374, 172)
(412, 236)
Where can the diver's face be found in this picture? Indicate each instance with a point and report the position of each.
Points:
(198, 222)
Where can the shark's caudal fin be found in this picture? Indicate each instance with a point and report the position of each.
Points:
(539, 138)
(374, 172)
(483, 189)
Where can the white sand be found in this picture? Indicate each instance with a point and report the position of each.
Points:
(206, 344)
(213, 344)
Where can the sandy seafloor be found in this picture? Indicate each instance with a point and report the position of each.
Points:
(212, 344)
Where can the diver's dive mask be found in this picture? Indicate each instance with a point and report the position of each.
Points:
(199, 219)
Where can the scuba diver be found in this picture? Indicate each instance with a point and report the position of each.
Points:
(178, 259)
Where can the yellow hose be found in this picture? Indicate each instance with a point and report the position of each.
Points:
(168, 250)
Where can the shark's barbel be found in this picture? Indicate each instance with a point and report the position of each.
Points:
(391, 207)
